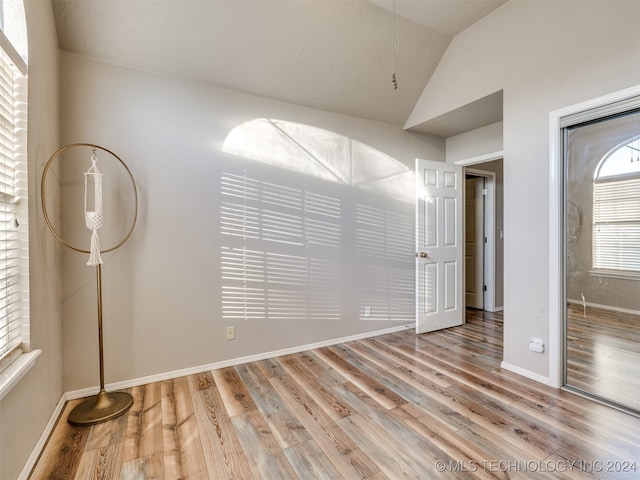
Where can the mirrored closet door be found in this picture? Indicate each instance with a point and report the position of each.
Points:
(602, 257)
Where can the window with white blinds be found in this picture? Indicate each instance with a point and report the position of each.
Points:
(616, 224)
(14, 261)
(616, 210)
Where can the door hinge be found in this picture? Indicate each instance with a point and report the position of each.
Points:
(485, 239)
(485, 191)
(485, 288)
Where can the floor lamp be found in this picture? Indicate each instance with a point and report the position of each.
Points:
(105, 405)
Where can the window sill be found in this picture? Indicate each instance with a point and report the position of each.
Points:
(615, 274)
(11, 375)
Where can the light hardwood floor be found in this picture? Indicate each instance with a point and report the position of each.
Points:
(395, 406)
(603, 354)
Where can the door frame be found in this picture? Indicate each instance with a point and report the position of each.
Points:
(556, 221)
(490, 234)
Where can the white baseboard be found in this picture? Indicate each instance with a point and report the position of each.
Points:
(526, 373)
(39, 447)
(135, 382)
(611, 308)
(494, 309)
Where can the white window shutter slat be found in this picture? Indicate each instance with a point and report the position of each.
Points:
(13, 308)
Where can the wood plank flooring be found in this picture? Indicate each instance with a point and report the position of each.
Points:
(397, 406)
(603, 354)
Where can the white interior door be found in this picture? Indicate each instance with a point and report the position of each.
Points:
(439, 245)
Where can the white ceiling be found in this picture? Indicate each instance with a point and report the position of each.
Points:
(334, 55)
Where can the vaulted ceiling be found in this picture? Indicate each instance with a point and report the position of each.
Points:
(334, 55)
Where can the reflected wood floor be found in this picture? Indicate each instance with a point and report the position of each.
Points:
(603, 354)
(395, 406)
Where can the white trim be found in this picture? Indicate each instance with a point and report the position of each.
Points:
(487, 157)
(610, 308)
(135, 382)
(614, 97)
(44, 438)
(526, 373)
(556, 259)
(11, 375)
(13, 54)
(499, 309)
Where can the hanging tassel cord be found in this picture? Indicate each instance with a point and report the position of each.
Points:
(94, 253)
(394, 47)
(94, 219)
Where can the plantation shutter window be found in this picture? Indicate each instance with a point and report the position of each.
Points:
(14, 305)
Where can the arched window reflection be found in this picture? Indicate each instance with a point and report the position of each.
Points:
(616, 209)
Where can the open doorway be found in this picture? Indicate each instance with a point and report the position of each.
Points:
(475, 240)
(440, 245)
(484, 237)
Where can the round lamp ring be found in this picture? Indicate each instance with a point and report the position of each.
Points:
(44, 206)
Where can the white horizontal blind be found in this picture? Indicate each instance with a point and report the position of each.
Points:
(616, 225)
(13, 253)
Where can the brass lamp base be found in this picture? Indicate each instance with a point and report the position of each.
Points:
(101, 408)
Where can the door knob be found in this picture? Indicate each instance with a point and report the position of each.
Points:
(421, 255)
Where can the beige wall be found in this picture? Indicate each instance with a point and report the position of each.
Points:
(480, 142)
(25, 411)
(162, 290)
(544, 56)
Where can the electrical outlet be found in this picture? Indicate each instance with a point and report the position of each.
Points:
(536, 345)
(231, 333)
(367, 311)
